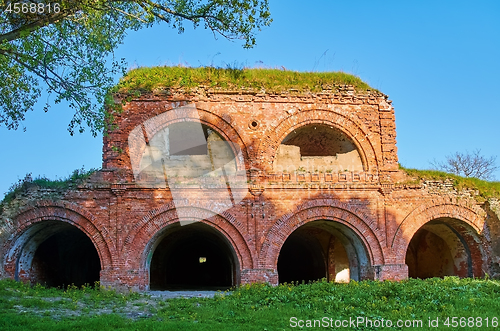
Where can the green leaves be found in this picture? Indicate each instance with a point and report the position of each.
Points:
(18, 91)
(70, 53)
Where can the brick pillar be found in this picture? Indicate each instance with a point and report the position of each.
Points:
(259, 276)
(390, 272)
(388, 136)
(123, 280)
(331, 260)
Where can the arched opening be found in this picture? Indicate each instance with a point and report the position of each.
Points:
(186, 155)
(301, 259)
(187, 149)
(318, 147)
(322, 249)
(193, 257)
(444, 247)
(57, 254)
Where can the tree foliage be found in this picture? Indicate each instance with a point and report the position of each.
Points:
(66, 50)
(468, 164)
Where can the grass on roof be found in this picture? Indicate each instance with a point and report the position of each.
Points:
(486, 189)
(271, 80)
(22, 185)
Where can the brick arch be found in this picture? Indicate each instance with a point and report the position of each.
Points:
(187, 113)
(325, 209)
(469, 214)
(46, 210)
(357, 132)
(151, 227)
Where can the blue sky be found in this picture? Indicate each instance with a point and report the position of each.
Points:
(439, 61)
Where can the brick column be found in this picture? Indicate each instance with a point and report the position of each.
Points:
(390, 272)
(259, 276)
(123, 280)
(388, 136)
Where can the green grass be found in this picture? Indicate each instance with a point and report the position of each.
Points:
(485, 188)
(252, 307)
(77, 176)
(147, 79)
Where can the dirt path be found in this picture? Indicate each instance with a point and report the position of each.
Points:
(143, 306)
(181, 294)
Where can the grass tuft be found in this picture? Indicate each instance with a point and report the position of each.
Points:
(485, 188)
(149, 79)
(77, 176)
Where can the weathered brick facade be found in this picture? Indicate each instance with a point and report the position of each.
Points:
(354, 223)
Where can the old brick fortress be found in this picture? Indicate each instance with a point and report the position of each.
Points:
(324, 199)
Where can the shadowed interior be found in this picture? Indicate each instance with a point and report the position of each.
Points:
(442, 247)
(317, 147)
(66, 257)
(319, 140)
(300, 261)
(321, 249)
(192, 257)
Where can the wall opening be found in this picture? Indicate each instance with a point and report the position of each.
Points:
(301, 259)
(57, 254)
(186, 138)
(187, 149)
(317, 147)
(322, 249)
(192, 257)
(444, 247)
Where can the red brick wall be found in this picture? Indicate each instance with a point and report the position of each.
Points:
(379, 216)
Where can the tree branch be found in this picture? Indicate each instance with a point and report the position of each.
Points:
(28, 28)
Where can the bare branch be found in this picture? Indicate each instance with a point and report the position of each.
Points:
(127, 14)
(468, 164)
(174, 13)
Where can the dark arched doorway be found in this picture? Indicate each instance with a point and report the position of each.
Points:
(322, 249)
(58, 254)
(193, 256)
(301, 259)
(444, 247)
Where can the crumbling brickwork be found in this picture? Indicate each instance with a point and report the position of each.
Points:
(321, 172)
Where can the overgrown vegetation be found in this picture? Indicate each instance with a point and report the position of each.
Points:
(77, 176)
(252, 307)
(485, 188)
(66, 48)
(271, 80)
(468, 164)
